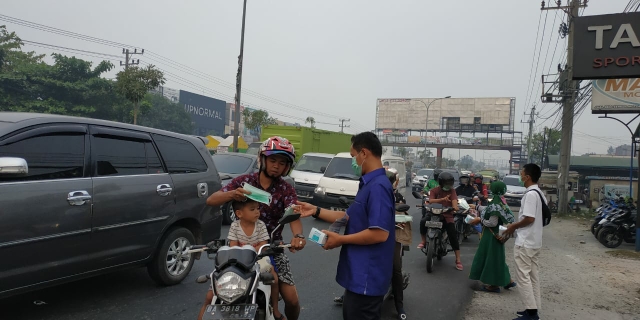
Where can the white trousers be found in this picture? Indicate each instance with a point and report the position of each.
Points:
(527, 275)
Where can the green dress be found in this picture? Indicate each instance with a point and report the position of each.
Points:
(489, 264)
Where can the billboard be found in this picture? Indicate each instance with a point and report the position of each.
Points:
(607, 46)
(207, 114)
(616, 96)
(452, 114)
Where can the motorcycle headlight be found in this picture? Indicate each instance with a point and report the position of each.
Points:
(436, 211)
(230, 286)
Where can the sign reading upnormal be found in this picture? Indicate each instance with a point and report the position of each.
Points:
(607, 46)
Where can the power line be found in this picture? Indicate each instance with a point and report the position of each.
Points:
(531, 74)
(80, 36)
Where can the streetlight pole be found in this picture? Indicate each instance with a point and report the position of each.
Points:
(236, 120)
(426, 126)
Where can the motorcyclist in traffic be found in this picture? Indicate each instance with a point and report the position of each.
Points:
(444, 194)
(465, 189)
(276, 158)
(432, 183)
(481, 188)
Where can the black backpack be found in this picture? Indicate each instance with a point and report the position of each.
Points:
(546, 212)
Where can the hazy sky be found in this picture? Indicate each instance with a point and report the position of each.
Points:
(334, 57)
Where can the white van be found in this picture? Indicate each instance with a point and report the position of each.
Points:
(338, 180)
(307, 173)
(398, 164)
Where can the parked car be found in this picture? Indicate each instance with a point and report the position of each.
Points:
(234, 164)
(307, 173)
(515, 191)
(338, 181)
(82, 197)
(421, 179)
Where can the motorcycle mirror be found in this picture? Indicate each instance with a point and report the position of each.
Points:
(416, 194)
(344, 201)
(288, 218)
(203, 278)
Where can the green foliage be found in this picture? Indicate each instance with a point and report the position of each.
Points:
(164, 114)
(255, 120)
(552, 144)
(311, 121)
(72, 86)
(134, 83)
(466, 162)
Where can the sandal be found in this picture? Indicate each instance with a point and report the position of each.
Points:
(281, 317)
(421, 245)
(338, 300)
(486, 289)
(459, 265)
(510, 285)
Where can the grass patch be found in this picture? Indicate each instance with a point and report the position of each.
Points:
(625, 254)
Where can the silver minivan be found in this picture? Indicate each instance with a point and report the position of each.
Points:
(80, 197)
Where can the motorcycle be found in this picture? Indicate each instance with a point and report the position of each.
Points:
(463, 229)
(437, 238)
(241, 280)
(620, 228)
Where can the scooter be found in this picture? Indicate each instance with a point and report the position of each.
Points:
(241, 281)
(620, 228)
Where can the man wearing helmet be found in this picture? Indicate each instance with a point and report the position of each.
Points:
(465, 189)
(433, 182)
(276, 158)
(482, 188)
(444, 194)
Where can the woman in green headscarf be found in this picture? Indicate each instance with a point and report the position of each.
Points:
(489, 264)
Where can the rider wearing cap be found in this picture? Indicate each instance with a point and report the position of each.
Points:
(276, 159)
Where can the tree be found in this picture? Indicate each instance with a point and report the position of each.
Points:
(256, 119)
(165, 114)
(311, 120)
(550, 142)
(134, 83)
(402, 151)
(466, 162)
(425, 156)
(610, 151)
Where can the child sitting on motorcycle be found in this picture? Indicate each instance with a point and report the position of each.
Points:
(249, 230)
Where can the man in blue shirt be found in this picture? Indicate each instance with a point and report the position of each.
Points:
(366, 257)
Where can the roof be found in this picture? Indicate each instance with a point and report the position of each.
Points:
(319, 154)
(16, 120)
(599, 162)
(343, 155)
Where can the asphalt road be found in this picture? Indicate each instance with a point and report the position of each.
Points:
(131, 294)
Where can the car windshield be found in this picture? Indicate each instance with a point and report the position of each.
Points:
(312, 164)
(231, 164)
(340, 168)
(253, 148)
(424, 172)
(511, 181)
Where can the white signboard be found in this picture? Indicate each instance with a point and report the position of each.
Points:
(616, 96)
(411, 114)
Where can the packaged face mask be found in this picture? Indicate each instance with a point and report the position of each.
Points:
(257, 194)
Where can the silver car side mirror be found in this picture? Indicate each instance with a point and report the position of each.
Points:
(13, 166)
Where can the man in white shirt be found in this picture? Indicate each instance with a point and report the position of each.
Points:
(529, 242)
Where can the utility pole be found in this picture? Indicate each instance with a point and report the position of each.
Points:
(568, 106)
(544, 146)
(531, 115)
(128, 54)
(236, 120)
(342, 126)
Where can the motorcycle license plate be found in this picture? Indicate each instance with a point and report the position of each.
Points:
(433, 224)
(223, 311)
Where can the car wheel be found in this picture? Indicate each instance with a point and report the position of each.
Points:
(228, 214)
(169, 265)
